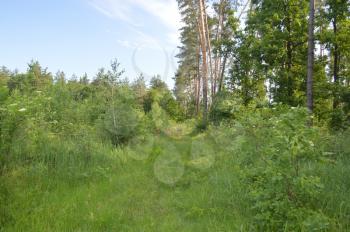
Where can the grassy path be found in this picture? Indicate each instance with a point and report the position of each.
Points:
(148, 194)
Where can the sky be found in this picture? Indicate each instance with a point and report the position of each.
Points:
(78, 36)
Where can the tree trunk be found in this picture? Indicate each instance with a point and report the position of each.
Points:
(198, 82)
(208, 44)
(310, 58)
(221, 83)
(335, 65)
(217, 58)
(289, 86)
(203, 43)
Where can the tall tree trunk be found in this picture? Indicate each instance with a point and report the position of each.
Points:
(203, 43)
(198, 81)
(208, 44)
(310, 57)
(335, 65)
(217, 62)
(221, 83)
(289, 86)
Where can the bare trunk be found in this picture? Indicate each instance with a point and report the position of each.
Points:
(219, 30)
(335, 65)
(203, 43)
(289, 61)
(310, 58)
(113, 111)
(208, 43)
(221, 83)
(198, 81)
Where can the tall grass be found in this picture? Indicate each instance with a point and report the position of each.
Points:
(79, 183)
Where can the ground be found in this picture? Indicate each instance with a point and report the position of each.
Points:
(166, 184)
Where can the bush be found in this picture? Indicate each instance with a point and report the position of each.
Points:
(277, 154)
(158, 118)
(121, 123)
(225, 107)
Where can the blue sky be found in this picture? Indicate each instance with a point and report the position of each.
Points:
(78, 36)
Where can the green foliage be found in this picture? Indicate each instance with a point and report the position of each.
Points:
(121, 123)
(225, 107)
(158, 117)
(339, 120)
(264, 56)
(160, 94)
(36, 78)
(278, 150)
(200, 126)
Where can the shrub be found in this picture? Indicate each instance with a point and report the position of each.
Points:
(225, 107)
(158, 117)
(339, 120)
(121, 123)
(284, 191)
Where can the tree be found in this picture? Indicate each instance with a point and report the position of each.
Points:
(203, 26)
(60, 78)
(310, 62)
(140, 89)
(336, 38)
(226, 25)
(188, 76)
(37, 76)
(84, 79)
(280, 29)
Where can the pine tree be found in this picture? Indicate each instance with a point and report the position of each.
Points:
(310, 62)
(188, 76)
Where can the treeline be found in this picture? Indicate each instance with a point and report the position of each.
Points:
(258, 52)
(36, 106)
(106, 83)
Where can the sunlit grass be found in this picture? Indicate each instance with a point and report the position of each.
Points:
(122, 190)
(121, 193)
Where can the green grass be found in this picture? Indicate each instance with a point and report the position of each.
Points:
(336, 194)
(122, 192)
(125, 194)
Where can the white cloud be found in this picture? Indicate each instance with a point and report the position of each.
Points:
(115, 9)
(126, 43)
(142, 40)
(166, 11)
(101, 10)
(153, 46)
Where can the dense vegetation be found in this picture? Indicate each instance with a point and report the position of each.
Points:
(231, 148)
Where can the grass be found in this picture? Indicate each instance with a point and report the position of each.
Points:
(122, 192)
(336, 193)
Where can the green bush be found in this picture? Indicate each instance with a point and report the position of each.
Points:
(121, 123)
(277, 154)
(158, 118)
(225, 107)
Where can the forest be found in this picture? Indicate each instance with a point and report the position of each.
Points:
(254, 135)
